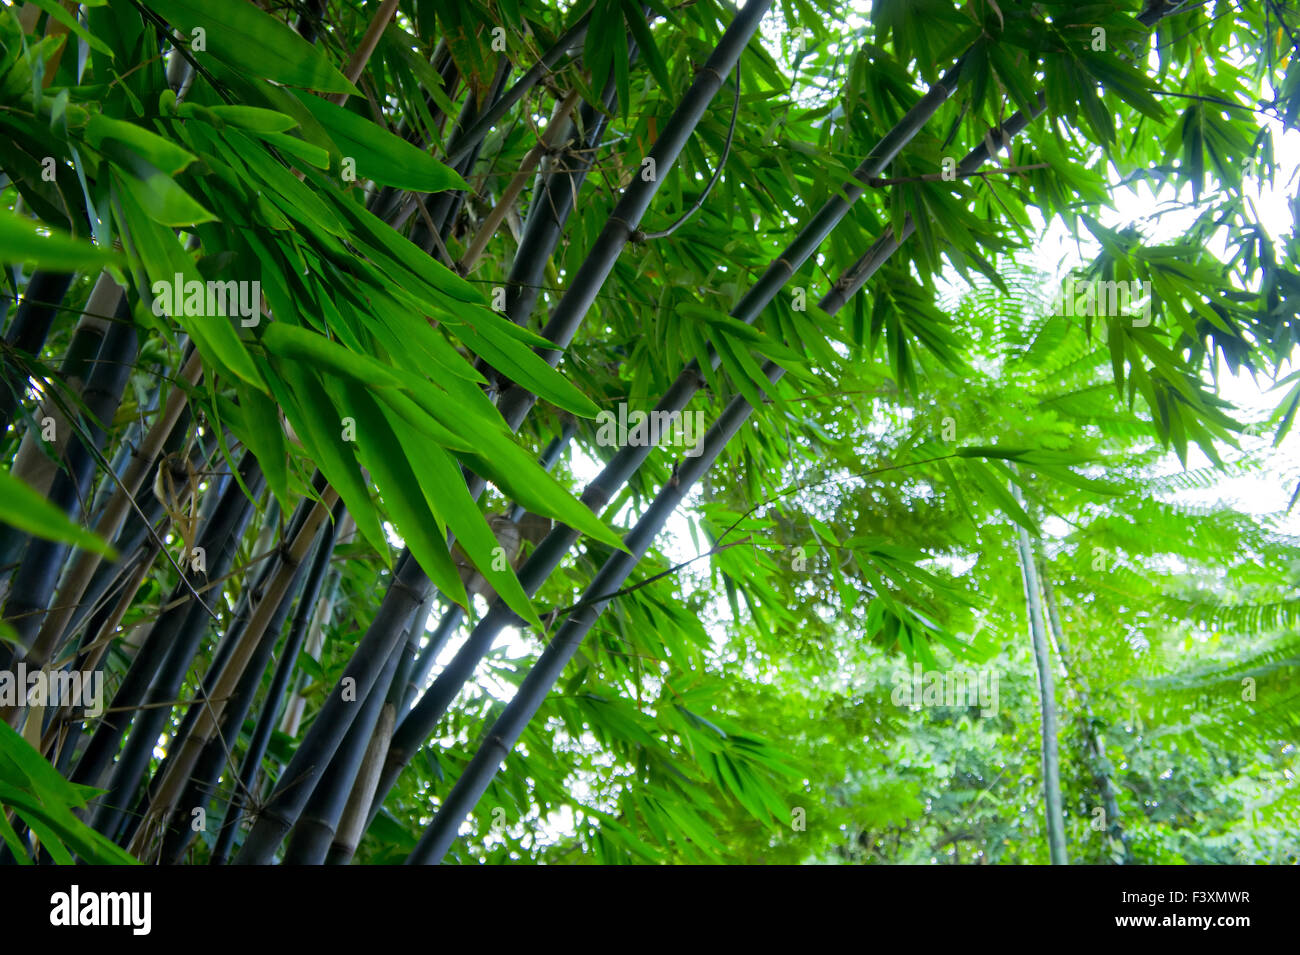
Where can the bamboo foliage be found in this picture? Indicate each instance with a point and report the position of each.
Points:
(394, 267)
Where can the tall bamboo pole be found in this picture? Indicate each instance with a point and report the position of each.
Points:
(217, 755)
(1103, 773)
(143, 461)
(173, 780)
(332, 723)
(34, 582)
(191, 623)
(26, 334)
(219, 539)
(1046, 697)
(275, 693)
(419, 723)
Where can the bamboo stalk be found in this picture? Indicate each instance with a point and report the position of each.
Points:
(146, 524)
(172, 782)
(453, 614)
(316, 635)
(1103, 772)
(383, 16)
(34, 582)
(218, 753)
(1055, 815)
(36, 465)
(191, 624)
(284, 671)
(142, 464)
(249, 596)
(357, 812)
(313, 833)
(474, 134)
(219, 539)
(432, 234)
(56, 735)
(27, 333)
(416, 727)
(505, 202)
(500, 739)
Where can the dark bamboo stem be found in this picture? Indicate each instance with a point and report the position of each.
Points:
(219, 539)
(26, 334)
(335, 718)
(420, 722)
(279, 684)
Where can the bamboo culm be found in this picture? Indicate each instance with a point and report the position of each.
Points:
(419, 723)
(408, 588)
(26, 334)
(218, 753)
(217, 537)
(1103, 772)
(275, 694)
(35, 580)
(1046, 697)
(171, 778)
(313, 833)
(189, 623)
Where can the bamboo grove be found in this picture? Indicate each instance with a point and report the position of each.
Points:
(316, 313)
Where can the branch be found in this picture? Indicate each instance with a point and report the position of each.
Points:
(639, 236)
(368, 43)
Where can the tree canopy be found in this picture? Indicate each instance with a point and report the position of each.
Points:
(648, 432)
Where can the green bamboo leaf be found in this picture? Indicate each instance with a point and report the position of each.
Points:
(380, 155)
(12, 841)
(386, 457)
(645, 43)
(403, 257)
(309, 153)
(515, 472)
(158, 151)
(160, 255)
(154, 191)
(264, 435)
(1125, 81)
(29, 511)
(56, 10)
(319, 426)
(317, 351)
(300, 200)
(24, 240)
(483, 335)
(449, 499)
(45, 835)
(986, 479)
(253, 118)
(252, 41)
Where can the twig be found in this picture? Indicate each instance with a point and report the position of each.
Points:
(639, 236)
